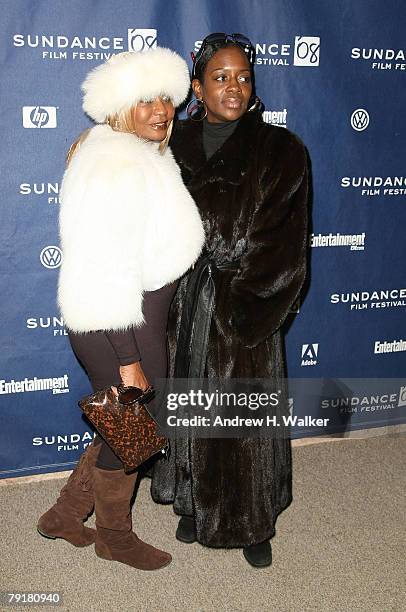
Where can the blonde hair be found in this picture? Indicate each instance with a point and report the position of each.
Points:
(119, 122)
(75, 145)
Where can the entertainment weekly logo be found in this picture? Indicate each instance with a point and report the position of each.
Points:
(370, 300)
(303, 52)
(276, 117)
(57, 385)
(82, 47)
(371, 186)
(48, 192)
(382, 347)
(355, 242)
(379, 58)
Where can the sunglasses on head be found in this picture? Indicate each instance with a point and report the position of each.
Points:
(220, 37)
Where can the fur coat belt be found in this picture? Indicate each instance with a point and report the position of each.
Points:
(127, 225)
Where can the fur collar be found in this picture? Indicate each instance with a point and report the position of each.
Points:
(187, 146)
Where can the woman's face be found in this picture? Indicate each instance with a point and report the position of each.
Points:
(151, 118)
(226, 87)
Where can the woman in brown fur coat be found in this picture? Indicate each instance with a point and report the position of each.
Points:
(250, 183)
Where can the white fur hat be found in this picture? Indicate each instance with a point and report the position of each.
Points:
(129, 77)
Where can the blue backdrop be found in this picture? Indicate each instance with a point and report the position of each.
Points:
(334, 73)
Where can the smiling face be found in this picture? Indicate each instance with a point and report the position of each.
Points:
(226, 87)
(151, 118)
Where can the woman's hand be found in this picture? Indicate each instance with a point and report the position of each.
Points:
(133, 376)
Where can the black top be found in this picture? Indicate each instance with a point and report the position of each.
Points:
(215, 135)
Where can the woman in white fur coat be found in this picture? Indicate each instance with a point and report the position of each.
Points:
(129, 230)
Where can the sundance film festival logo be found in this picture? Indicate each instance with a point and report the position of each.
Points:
(380, 59)
(142, 40)
(358, 403)
(65, 442)
(368, 300)
(305, 52)
(276, 117)
(53, 324)
(62, 47)
(360, 119)
(371, 186)
(39, 116)
(51, 257)
(50, 191)
(309, 354)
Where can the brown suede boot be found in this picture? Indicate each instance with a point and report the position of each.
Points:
(74, 504)
(115, 539)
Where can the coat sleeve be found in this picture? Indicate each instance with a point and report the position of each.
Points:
(101, 229)
(254, 302)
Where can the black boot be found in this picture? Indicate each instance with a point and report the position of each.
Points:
(186, 531)
(259, 555)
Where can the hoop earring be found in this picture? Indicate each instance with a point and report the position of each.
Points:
(256, 105)
(195, 109)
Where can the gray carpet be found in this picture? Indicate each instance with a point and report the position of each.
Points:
(340, 546)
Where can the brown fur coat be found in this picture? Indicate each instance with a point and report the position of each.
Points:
(252, 196)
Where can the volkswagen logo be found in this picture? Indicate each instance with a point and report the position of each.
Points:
(360, 119)
(51, 257)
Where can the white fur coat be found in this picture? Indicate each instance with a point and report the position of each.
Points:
(127, 225)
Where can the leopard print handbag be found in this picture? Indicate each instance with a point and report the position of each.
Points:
(125, 424)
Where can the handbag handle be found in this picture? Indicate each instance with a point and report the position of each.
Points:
(134, 395)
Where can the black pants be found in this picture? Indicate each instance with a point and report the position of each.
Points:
(97, 355)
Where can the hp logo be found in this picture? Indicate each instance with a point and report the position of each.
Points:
(307, 51)
(360, 119)
(39, 116)
(142, 40)
(51, 257)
